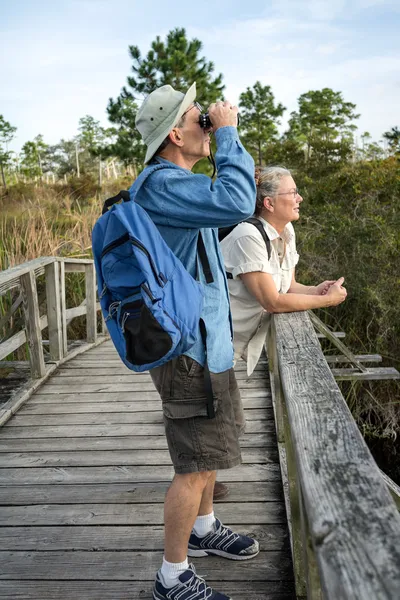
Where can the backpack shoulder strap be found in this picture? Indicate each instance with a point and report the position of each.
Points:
(257, 223)
(123, 196)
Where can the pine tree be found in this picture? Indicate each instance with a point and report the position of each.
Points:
(177, 62)
(259, 119)
(7, 132)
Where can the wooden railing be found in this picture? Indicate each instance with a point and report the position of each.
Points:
(56, 319)
(344, 525)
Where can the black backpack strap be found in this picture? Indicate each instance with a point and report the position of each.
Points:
(123, 196)
(207, 376)
(257, 223)
(202, 252)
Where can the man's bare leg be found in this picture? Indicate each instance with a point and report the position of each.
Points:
(206, 504)
(182, 504)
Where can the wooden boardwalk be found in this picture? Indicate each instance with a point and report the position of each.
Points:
(84, 468)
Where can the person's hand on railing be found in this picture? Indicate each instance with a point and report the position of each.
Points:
(337, 293)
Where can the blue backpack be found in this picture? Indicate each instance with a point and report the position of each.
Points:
(151, 304)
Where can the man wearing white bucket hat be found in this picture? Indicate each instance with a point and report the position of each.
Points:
(188, 209)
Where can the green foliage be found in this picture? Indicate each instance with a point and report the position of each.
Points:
(259, 119)
(7, 132)
(393, 137)
(91, 134)
(350, 223)
(324, 124)
(127, 143)
(176, 62)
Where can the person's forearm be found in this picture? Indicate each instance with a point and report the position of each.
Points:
(299, 288)
(295, 302)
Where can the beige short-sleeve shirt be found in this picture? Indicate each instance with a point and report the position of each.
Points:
(244, 251)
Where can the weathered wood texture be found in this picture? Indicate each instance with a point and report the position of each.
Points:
(84, 469)
(352, 520)
(32, 324)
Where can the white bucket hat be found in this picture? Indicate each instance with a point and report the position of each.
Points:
(159, 113)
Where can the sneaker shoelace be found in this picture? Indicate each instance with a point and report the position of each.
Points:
(224, 537)
(196, 585)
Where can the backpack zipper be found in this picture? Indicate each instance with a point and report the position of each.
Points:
(118, 242)
(161, 280)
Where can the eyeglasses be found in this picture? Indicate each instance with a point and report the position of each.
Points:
(295, 193)
(193, 105)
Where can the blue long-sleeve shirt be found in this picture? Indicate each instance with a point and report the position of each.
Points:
(181, 203)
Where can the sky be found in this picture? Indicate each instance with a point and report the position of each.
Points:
(63, 60)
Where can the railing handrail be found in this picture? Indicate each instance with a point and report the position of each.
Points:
(57, 316)
(9, 278)
(345, 525)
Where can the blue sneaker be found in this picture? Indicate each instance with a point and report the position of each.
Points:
(191, 587)
(223, 542)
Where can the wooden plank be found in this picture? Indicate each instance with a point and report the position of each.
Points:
(137, 442)
(136, 566)
(115, 457)
(125, 493)
(131, 514)
(76, 311)
(32, 324)
(146, 395)
(91, 314)
(72, 263)
(36, 407)
(10, 277)
(131, 590)
(22, 419)
(137, 474)
(102, 538)
(352, 518)
(393, 488)
(324, 330)
(107, 431)
(63, 304)
(100, 376)
(65, 387)
(52, 272)
(370, 374)
(12, 344)
(341, 358)
(335, 334)
(112, 360)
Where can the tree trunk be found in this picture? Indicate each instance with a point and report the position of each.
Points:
(3, 175)
(77, 161)
(100, 173)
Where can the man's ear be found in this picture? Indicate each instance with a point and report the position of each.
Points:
(268, 204)
(176, 137)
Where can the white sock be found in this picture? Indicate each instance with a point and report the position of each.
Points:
(170, 572)
(204, 524)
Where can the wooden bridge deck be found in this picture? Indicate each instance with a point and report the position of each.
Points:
(83, 472)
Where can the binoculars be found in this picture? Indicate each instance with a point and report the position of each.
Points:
(205, 121)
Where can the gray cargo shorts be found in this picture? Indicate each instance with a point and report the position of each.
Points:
(195, 442)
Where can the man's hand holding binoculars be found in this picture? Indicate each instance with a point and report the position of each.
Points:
(223, 114)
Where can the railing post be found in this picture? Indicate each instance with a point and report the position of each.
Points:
(54, 310)
(63, 309)
(91, 313)
(32, 324)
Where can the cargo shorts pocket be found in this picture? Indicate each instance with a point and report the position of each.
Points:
(191, 435)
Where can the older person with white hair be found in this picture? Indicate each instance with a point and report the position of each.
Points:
(262, 280)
